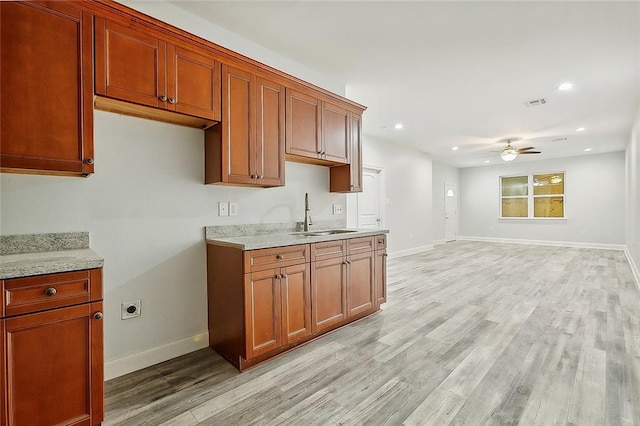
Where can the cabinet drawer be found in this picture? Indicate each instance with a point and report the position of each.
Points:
(380, 242)
(328, 250)
(42, 292)
(258, 260)
(360, 245)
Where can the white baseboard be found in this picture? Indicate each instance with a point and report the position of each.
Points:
(408, 252)
(634, 267)
(139, 360)
(547, 243)
(438, 242)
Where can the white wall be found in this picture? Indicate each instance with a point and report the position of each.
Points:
(633, 198)
(145, 208)
(595, 206)
(407, 179)
(442, 174)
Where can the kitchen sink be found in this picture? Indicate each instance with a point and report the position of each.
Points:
(322, 233)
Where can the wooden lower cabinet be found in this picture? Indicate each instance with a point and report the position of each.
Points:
(381, 277)
(296, 303)
(329, 289)
(360, 288)
(264, 302)
(53, 366)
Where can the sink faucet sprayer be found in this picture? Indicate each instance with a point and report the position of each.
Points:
(307, 217)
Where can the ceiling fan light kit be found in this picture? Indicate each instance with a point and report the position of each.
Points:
(510, 153)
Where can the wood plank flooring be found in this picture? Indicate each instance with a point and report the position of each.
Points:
(472, 334)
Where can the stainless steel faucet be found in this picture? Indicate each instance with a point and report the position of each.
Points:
(307, 216)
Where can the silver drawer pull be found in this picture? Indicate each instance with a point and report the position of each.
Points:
(50, 291)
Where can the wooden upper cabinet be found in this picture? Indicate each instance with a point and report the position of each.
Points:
(136, 65)
(247, 147)
(348, 178)
(304, 124)
(335, 136)
(316, 129)
(46, 90)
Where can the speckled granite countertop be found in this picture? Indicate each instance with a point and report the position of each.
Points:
(27, 255)
(49, 262)
(252, 242)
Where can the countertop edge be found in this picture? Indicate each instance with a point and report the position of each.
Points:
(22, 265)
(287, 239)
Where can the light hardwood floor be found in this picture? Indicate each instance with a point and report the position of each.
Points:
(472, 334)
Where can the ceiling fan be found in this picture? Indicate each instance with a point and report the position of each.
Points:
(509, 153)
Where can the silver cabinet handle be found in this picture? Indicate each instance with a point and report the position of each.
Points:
(50, 291)
(163, 98)
(98, 315)
(172, 100)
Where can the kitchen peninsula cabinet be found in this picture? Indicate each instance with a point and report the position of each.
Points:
(265, 301)
(316, 129)
(46, 52)
(248, 146)
(52, 370)
(141, 67)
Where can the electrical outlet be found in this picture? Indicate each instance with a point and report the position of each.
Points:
(130, 310)
(223, 208)
(337, 209)
(233, 209)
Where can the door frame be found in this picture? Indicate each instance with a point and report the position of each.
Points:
(381, 195)
(444, 217)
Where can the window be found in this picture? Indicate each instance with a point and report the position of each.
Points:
(532, 196)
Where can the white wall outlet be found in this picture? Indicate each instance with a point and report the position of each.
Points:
(337, 209)
(223, 208)
(233, 209)
(130, 310)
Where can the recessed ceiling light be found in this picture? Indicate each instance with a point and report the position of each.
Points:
(565, 86)
(580, 129)
(455, 148)
(399, 126)
(487, 161)
(587, 149)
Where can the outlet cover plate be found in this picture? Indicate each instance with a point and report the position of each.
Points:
(233, 209)
(127, 306)
(223, 208)
(337, 209)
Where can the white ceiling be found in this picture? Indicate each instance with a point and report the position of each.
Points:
(458, 73)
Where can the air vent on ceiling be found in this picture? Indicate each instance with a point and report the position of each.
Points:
(535, 102)
(559, 139)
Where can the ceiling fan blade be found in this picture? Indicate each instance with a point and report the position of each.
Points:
(530, 152)
(526, 149)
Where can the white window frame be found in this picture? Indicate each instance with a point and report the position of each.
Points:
(531, 197)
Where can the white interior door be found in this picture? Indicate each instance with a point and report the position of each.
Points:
(450, 212)
(369, 200)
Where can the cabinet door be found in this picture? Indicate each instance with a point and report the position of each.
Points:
(46, 87)
(303, 121)
(381, 277)
(55, 367)
(360, 289)
(348, 178)
(335, 136)
(130, 64)
(263, 325)
(193, 83)
(329, 293)
(355, 143)
(269, 146)
(296, 303)
(238, 131)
